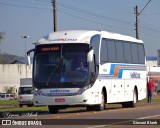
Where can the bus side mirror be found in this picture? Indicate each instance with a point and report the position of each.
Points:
(28, 58)
(90, 56)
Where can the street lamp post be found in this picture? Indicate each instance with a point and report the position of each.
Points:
(25, 37)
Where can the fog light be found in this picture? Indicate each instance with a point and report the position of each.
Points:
(85, 100)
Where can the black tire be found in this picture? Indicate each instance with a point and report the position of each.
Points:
(134, 102)
(30, 105)
(101, 106)
(20, 105)
(90, 108)
(53, 109)
(126, 104)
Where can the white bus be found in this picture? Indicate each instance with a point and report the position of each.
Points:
(88, 68)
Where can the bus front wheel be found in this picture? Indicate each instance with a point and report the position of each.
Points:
(52, 109)
(101, 106)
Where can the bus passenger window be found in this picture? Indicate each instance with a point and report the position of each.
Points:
(119, 51)
(111, 51)
(104, 51)
(134, 51)
(127, 52)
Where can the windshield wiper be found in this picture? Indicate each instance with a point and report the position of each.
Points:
(50, 76)
(57, 68)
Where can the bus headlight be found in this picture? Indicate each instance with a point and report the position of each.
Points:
(81, 90)
(37, 92)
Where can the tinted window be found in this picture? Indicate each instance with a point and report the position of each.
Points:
(3, 96)
(141, 53)
(134, 52)
(127, 52)
(95, 40)
(111, 51)
(25, 90)
(122, 52)
(60, 65)
(119, 51)
(104, 51)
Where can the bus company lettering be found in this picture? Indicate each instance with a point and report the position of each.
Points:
(63, 39)
(59, 91)
(135, 75)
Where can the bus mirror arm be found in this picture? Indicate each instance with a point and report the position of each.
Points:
(28, 58)
(31, 50)
(90, 55)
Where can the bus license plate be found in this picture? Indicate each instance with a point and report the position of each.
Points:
(60, 100)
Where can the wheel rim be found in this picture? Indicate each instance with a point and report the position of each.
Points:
(102, 103)
(134, 98)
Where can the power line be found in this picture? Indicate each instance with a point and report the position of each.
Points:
(66, 5)
(32, 2)
(95, 16)
(150, 29)
(33, 7)
(144, 7)
(93, 21)
(149, 34)
(23, 6)
(101, 6)
(72, 10)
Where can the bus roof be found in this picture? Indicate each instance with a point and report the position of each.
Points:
(81, 36)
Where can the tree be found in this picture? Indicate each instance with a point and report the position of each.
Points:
(9, 89)
(1, 36)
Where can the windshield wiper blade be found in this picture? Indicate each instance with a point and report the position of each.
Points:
(50, 76)
(58, 68)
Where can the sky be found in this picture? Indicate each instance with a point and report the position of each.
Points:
(34, 18)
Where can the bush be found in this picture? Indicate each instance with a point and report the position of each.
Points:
(9, 89)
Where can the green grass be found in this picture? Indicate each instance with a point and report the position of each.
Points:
(9, 102)
(26, 109)
(154, 100)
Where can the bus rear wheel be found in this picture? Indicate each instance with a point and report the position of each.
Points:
(53, 109)
(134, 102)
(126, 104)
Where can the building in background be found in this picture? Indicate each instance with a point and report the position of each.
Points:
(152, 61)
(153, 67)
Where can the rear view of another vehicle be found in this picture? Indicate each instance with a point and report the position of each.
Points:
(25, 96)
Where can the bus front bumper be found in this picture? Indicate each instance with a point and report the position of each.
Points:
(79, 100)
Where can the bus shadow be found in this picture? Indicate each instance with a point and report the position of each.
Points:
(85, 110)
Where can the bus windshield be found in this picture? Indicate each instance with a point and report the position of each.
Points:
(61, 64)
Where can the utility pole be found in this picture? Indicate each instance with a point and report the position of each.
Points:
(137, 16)
(137, 34)
(54, 15)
